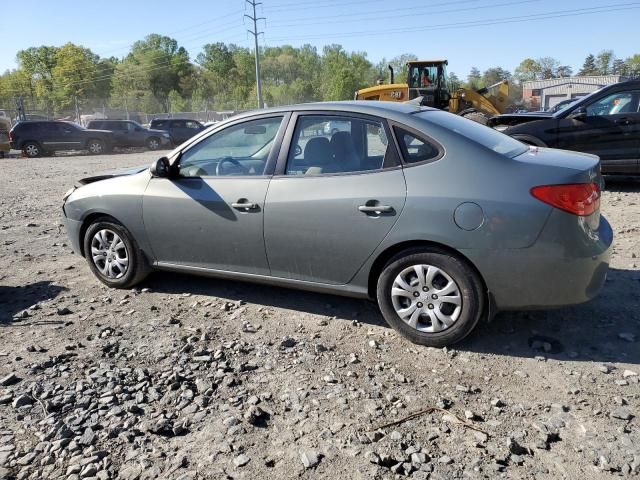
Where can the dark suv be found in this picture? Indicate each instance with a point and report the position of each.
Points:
(37, 138)
(180, 130)
(605, 123)
(131, 134)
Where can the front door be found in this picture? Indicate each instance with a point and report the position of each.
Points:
(337, 194)
(611, 130)
(211, 214)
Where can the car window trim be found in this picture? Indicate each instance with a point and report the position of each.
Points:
(421, 136)
(287, 144)
(271, 159)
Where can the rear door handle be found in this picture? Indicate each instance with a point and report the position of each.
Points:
(244, 204)
(375, 208)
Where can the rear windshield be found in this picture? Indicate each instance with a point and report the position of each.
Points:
(485, 136)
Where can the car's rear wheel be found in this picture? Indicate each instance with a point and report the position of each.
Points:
(96, 147)
(113, 255)
(430, 296)
(153, 143)
(32, 149)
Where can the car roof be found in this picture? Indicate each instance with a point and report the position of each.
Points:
(174, 119)
(377, 108)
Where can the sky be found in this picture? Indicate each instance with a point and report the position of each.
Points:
(469, 33)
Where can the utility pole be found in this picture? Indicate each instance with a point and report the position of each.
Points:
(255, 34)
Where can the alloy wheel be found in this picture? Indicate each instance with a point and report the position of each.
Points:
(426, 298)
(109, 254)
(95, 147)
(32, 150)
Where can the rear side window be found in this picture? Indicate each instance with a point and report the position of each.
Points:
(415, 149)
(485, 136)
(335, 144)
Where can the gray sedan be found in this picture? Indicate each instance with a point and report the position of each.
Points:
(441, 220)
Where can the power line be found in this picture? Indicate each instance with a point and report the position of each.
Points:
(346, 17)
(255, 34)
(478, 23)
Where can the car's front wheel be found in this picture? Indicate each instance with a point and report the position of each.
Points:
(113, 255)
(431, 297)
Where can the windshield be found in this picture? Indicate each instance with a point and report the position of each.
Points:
(485, 136)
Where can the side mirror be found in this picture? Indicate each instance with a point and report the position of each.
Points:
(160, 168)
(578, 114)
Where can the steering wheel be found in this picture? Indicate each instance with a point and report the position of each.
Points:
(237, 164)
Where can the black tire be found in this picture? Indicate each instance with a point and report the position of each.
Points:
(96, 146)
(478, 117)
(32, 149)
(468, 282)
(137, 268)
(153, 143)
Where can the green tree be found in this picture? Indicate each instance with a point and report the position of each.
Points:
(604, 62)
(529, 69)
(633, 65)
(548, 67)
(474, 79)
(74, 75)
(589, 66)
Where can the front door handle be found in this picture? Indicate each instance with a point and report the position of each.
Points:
(375, 208)
(244, 204)
(624, 121)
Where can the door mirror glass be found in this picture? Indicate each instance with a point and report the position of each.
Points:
(160, 168)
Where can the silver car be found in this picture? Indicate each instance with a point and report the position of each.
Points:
(441, 220)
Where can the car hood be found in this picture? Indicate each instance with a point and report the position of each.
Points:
(518, 118)
(156, 130)
(111, 174)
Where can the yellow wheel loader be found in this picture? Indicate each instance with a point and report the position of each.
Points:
(427, 85)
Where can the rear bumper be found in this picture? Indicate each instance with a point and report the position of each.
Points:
(567, 265)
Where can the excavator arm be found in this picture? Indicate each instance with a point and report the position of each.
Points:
(490, 101)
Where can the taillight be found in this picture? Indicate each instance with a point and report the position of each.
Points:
(577, 198)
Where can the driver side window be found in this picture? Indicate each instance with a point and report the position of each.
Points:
(239, 150)
(614, 104)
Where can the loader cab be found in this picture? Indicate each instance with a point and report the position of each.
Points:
(428, 79)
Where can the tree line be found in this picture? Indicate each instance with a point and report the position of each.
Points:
(157, 75)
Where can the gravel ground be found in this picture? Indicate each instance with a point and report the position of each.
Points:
(197, 378)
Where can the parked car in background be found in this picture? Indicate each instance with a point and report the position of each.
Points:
(563, 104)
(605, 123)
(180, 130)
(442, 220)
(127, 133)
(36, 138)
(5, 126)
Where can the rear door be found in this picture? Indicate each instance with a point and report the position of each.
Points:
(611, 130)
(60, 136)
(335, 197)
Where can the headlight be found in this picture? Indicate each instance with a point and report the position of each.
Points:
(501, 128)
(68, 194)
